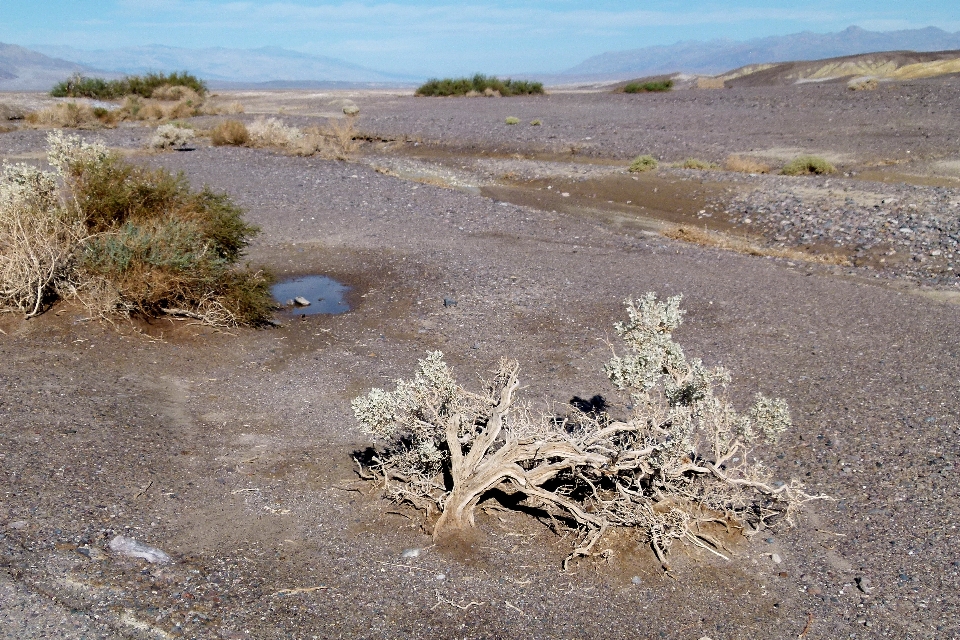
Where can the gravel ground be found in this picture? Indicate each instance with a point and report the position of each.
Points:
(232, 451)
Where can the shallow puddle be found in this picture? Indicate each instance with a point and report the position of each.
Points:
(324, 294)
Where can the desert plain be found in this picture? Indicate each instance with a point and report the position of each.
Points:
(233, 451)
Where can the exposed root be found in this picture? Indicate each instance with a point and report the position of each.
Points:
(681, 460)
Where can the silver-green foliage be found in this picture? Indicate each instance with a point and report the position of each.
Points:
(680, 459)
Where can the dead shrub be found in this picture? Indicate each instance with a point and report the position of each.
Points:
(680, 459)
(272, 132)
(171, 136)
(38, 236)
(71, 115)
(744, 164)
(334, 141)
(230, 132)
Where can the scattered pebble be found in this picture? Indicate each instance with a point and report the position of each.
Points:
(411, 553)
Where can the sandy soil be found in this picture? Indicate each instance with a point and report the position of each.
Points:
(232, 451)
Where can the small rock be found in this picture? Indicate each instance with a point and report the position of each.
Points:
(289, 302)
(636, 580)
(129, 547)
(351, 109)
(776, 558)
(449, 302)
(18, 525)
(301, 301)
(411, 553)
(863, 583)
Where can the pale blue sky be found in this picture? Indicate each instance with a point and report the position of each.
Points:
(423, 37)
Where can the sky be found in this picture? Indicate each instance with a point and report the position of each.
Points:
(438, 37)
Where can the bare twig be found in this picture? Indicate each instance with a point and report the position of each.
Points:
(290, 592)
(463, 607)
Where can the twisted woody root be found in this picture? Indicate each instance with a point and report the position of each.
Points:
(678, 462)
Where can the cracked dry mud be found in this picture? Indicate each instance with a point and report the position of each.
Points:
(231, 451)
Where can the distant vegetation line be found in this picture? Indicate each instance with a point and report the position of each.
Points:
(478, 85)
(644, 87)
(79, 86)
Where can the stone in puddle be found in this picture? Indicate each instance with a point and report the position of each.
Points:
(301, 301)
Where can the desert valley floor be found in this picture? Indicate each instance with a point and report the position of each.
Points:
(233, 451)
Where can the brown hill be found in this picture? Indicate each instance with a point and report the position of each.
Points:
(888, 65)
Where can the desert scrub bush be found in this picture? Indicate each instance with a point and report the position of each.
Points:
(512, 120)
(648, 87)
(743, 164)
(170, 136)
(126, 239)
(272, 132)
(79, 86)
(807, 165)
(643, 163)
(694, 163)
(679, 462)
(479, 84)
(230, 132)
(863, 84)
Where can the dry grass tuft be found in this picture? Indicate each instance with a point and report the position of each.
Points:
(694, 163)
(707, 238)
(808, 165)
(744, 164)
(72, 115)
(336, 140)
(863, 84)
(230, 132)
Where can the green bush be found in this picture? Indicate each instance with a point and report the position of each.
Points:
(643, 163)
(478, 84)
(512, 120)
(79, 86)
(646, 87)
(150, 244)
(808, 165)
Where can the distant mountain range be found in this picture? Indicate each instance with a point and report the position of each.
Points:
(25, 70)
(218, 64)
(717, 56)
(272, 67)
